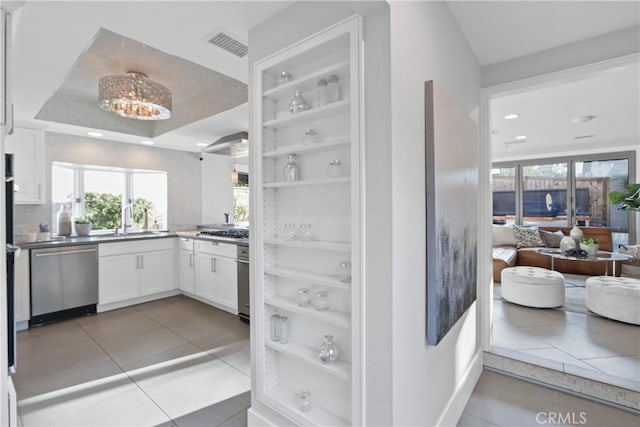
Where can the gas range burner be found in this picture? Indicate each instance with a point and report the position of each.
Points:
(233, 234)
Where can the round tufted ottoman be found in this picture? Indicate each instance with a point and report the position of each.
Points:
(533, 287)
(617, 298)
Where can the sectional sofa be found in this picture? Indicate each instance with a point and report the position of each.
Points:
(506, 254)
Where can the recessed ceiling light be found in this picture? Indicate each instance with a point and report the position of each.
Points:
(521, 137)
(147, 142)
(94, 134)
(582, 119)
(202, 144)
(520, 141)
(583, 136)
(511, 116)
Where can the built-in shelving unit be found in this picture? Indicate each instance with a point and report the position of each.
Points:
(328, 203)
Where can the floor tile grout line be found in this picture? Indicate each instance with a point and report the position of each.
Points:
(228, 418)
(133, 381)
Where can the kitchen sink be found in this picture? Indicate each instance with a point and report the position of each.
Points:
(129, 235)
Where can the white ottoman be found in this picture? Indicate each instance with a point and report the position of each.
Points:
(533, 287)
(617, 298)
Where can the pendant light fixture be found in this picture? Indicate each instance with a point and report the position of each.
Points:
(134, 96)
(234, 173)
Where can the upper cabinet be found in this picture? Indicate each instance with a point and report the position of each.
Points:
(306, 236)
(27, 147)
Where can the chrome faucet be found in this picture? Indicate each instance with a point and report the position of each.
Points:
(226, 217)
(127, 217)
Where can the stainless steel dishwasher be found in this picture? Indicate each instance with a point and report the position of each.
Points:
(64, 282)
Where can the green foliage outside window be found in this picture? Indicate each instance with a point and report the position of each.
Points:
(104, 210)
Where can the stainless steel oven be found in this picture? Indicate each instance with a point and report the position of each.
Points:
(243, 283)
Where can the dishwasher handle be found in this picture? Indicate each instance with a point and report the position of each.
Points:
(78, 251)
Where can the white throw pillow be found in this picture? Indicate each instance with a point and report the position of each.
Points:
(503, 235)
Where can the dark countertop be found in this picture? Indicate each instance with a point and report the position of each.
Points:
(94, 240)
(194, 235)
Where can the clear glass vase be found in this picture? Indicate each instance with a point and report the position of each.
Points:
(291, 170)
(298, 103)
(328, 350)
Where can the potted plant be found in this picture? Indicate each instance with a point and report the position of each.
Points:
(83, 226)
(590, 246)
(629, 199)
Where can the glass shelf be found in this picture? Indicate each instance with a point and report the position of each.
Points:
(313, 244)
(328, 316)
(329, 144)
(313, 278)
(319, 181)
(316, 416)
(338, 369)
(306, 82)
(312, 114)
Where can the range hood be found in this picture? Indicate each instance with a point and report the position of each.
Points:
(235, 145)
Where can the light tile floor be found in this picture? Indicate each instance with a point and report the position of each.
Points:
(178, 362)
(573, 342)
(170, 362)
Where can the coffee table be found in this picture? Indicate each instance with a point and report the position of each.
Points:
(601, 256)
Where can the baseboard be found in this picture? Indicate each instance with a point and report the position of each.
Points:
(453, 411)
(256, 420)
(139, 300)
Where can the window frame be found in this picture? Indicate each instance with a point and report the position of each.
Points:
(571, 161)
(78, 201)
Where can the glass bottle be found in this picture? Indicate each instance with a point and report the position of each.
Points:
(291, 170)
(334, 170)
(310, 136)
(328, 350)
(284, 329)
(303, 299)
(298, 103)
(305, 400)
(344, 271)
(275, 328)
(322, 95)
(334, 88)
(283, 78)
(320, 301)
(306, 234)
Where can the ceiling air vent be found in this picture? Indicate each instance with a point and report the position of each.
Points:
(228, 43)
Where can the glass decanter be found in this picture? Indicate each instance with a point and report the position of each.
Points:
(298, 103)
(291, 170)
(303, 298)
(321, 301)
(328, 350)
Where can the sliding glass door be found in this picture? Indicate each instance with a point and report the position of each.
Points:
(564, 191)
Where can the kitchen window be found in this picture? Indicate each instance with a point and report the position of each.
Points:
(241, 200)
(101, 193)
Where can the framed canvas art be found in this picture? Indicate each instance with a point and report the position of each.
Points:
(451, 162)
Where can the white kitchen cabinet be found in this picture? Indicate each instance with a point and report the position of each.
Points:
(328, 204)
(22, 288)
(27, 147)
(217, 274)
(157, 272)
(186, 265)
(129, 270)
(118, 278)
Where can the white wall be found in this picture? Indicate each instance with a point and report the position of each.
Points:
(183, 175)
(596, 49)
(430, 384)
(217, 188)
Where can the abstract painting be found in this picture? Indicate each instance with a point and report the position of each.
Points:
(451, 154)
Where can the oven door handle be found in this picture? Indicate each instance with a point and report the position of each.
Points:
(241, 261)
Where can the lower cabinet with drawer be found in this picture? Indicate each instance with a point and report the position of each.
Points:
(216, 274)
(134, 269)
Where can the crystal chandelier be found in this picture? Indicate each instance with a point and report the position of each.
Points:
(134, 96)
